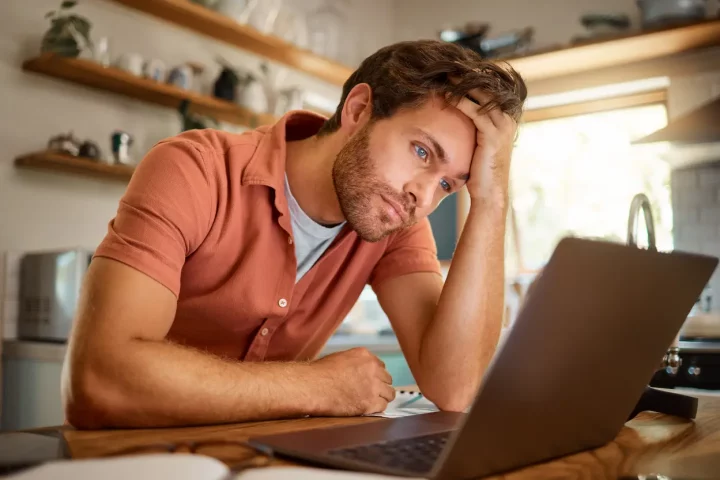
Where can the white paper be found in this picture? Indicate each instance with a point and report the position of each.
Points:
(175, 466)
(407, 404)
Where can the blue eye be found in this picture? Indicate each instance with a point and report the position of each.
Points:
(421, 152)
(445, 185)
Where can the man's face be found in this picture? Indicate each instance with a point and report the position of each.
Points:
(395, 171)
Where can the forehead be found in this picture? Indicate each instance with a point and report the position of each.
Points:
(452, 129)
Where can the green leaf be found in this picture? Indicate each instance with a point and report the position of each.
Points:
(50, 14)
(68, 4)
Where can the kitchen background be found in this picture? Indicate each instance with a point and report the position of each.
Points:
(601, 76)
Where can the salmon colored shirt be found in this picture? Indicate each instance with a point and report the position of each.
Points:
(205, 214)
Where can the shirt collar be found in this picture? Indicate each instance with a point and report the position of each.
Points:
(267, 165)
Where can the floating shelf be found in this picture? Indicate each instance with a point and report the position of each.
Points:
(220, 27)
(51, 160)
(111, 79)
(588, 56)
(618, 51)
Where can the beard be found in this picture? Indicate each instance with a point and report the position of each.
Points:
(360, 191)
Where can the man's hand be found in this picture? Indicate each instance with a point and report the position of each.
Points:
(490, 169)
(353, 382)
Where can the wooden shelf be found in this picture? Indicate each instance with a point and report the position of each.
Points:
(220, 27)
(618, 51)
(50, 160)
(111, 79)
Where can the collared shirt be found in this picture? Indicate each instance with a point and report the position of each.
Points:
(205, 214)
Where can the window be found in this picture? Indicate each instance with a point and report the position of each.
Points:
(575, 172)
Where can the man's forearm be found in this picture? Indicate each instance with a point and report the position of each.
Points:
(459, 343)
(154, 383)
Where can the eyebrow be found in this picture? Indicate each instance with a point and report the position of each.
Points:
(440, 151)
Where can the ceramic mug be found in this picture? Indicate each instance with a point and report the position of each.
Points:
(181, 76)
(131, 62)
(154, 69)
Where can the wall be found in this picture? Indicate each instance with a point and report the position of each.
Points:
(696, 205)
(40, 210)
(696, 190)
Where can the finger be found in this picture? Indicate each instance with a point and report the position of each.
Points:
(385, 376)
(482, 121)
(387, 392)
(380, 362)
(377, 406)
(497, 117)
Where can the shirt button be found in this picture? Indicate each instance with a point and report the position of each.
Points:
(264, 332)
(282, 303)
(290, 240)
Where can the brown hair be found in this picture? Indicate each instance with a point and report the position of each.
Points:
(405, 74)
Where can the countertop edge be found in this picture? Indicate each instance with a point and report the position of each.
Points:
(55, 352)
(29, 350)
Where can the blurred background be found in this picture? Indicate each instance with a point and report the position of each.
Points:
(624, 100)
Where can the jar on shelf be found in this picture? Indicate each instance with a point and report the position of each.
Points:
(325, 29)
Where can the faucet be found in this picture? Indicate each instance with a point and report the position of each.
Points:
(671, 361)
(641, 201)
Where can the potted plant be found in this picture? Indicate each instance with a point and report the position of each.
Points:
(69, 34)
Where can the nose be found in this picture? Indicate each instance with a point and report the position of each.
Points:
(422, 191)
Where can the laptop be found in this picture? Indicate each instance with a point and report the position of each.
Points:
(591, 333)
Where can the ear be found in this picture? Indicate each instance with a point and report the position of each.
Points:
(357, 109)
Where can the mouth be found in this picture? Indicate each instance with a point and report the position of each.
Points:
(395, 210)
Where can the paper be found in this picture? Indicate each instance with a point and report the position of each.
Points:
(407, 404)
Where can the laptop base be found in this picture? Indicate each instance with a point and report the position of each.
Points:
(668, 403)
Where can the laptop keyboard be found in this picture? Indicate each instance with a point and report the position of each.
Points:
(416, 455)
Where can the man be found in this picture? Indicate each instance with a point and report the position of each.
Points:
(233, 258)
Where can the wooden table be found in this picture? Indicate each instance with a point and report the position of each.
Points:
(650, 443)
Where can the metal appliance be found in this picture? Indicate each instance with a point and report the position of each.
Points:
(49, 289)
(691, 361)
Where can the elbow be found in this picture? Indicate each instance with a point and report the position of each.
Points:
(89, 400)
(450, 397)
(453, 403)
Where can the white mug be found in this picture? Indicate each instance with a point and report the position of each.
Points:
(155, 70)
(131, 62)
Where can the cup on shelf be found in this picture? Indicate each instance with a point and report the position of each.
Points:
(101, 51)
(120, 143)
(253, 97)
(181, 76)
(155, 69)
(132, 63)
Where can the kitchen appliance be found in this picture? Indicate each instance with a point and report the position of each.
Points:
(663, 13)
(49, 289)
(693, 359)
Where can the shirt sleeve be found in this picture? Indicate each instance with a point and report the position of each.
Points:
(409, 251)
(164, 214)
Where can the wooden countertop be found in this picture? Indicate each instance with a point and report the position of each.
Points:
(650, 443)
